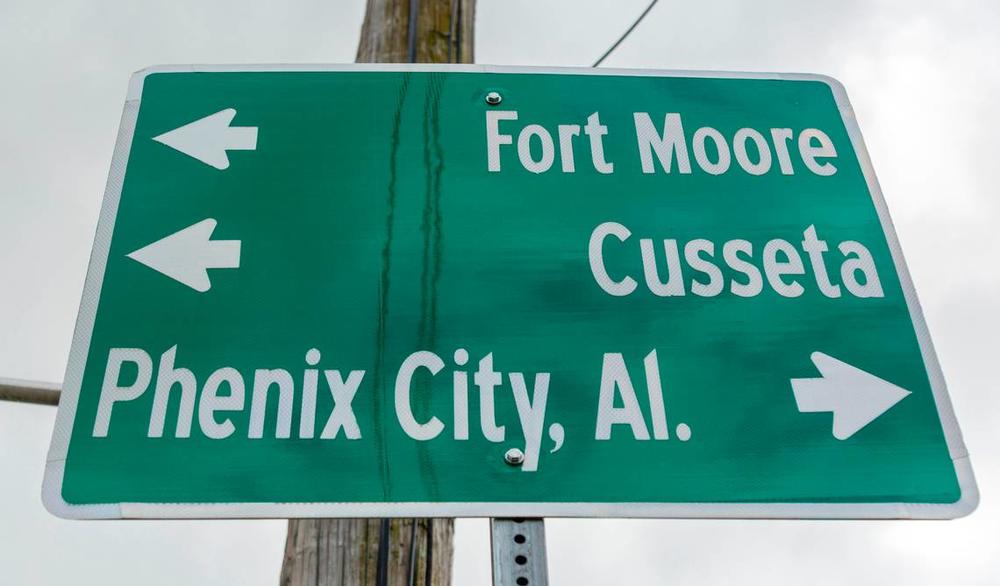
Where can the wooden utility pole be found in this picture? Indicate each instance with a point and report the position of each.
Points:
(442, 31)
(346, 552)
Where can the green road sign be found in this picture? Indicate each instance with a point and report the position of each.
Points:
(477, 291)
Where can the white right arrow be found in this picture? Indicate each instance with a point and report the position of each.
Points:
(208, 138)
(187, 255)
(855, 397)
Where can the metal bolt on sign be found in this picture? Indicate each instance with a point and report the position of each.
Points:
(519, 552)
(514, 457)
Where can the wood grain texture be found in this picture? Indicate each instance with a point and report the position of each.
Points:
(344, 552)
(444, 32)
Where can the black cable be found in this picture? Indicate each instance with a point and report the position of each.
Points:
(428, 569)
(412, 31)
(382, 569)
(625, 34)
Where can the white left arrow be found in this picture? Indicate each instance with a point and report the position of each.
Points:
(187, 255)
(207, 139)
(855, 397)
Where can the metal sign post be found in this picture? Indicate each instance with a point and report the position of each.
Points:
(519, 552)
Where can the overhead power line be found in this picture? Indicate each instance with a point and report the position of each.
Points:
(625, 35)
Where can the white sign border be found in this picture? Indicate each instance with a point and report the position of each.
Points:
(55, 463)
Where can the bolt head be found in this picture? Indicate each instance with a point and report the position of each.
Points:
(493, 98)
(514, 457)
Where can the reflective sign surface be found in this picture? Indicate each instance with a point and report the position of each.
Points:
(492, 292)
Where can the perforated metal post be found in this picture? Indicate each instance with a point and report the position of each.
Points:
(519, 552)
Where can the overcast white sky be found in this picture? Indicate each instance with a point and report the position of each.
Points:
(923, 77)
